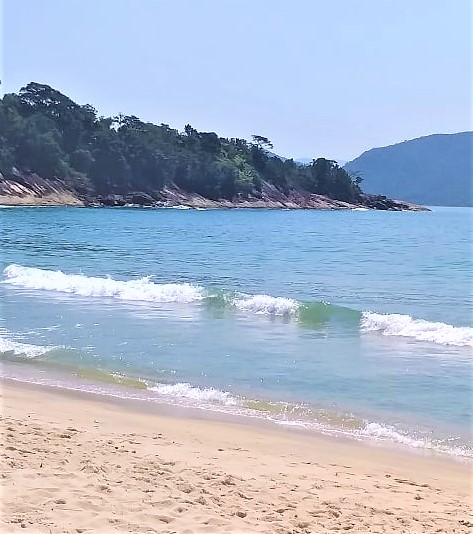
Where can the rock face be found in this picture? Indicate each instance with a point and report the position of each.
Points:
(270, 198)
(31, 189)
(380, 202)
(136, 199)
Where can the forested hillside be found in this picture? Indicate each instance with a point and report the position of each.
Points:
(435, 170)
(43, 131)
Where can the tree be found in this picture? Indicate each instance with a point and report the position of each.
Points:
(189, 131)
(44, 131)
(262, 142)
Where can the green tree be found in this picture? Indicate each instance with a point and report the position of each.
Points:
(44, 131)
(262, 142)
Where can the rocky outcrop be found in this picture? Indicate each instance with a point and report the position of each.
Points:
(31, 189)
(137, 198)
(272, 198)
(381, 202)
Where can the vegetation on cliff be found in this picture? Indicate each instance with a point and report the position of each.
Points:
(45, 132)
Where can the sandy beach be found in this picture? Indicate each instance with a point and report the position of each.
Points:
(78, 463)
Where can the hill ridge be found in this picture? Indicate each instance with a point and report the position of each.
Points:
(435, 169)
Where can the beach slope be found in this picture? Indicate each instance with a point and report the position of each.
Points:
(77, 463)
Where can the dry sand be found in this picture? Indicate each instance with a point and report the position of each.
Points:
(77, 463)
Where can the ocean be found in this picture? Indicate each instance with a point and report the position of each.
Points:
(352, 323)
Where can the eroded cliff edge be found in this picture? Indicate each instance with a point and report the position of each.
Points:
(29, 189)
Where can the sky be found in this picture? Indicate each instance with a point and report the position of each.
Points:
(328, 78)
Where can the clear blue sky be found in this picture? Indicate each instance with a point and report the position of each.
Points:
(318, 77)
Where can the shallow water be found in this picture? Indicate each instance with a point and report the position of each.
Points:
(352, 321)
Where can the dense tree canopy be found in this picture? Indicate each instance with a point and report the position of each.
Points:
(44, 131)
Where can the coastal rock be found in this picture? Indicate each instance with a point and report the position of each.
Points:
(381, 202)
(111, 200)
(141, 199)
(30, 189)
(272, 198)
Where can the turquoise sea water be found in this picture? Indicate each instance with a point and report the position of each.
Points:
(353, 322)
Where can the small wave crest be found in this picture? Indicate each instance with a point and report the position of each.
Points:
(385, 432)
(88, 286)
(142, 289)
(184, 390)
(267, 305)
(309, 314)
(419, 329)
(22, 349)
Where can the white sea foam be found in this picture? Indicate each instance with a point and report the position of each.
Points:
(133, 290)
(419, 329)
(142, 289)
(22, 349)
(389, 433)
(267, 305)
(184, 390)
(386, 432)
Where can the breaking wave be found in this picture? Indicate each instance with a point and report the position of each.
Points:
(184, 390)
(142, 289)
(8, 346)
(89, 286)
(419, 329)
(311, 314)
(267, 305)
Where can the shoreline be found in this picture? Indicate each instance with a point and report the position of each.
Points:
(31, 190)
(186, 411)
(177, 469)
(324, 204)
(207, 206)
(77, 382)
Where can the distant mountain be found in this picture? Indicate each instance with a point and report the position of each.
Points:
(435, 170)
